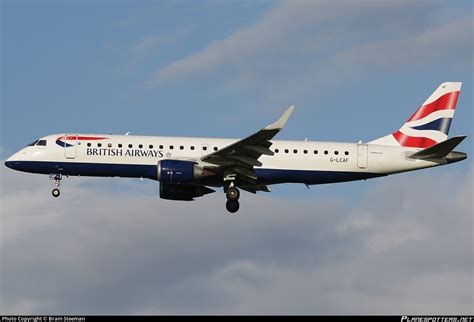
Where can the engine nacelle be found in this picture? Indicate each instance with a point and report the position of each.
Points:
(182, 192)
(178, 171)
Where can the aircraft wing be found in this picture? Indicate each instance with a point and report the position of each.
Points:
(240, 157)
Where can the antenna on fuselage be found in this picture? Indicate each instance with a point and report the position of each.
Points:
(127, 133)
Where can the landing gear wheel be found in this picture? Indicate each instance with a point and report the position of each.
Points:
(232, 206)
(233, 194)
(56, 177)
(56, 193)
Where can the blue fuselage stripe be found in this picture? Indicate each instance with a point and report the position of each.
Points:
(265, 176)
(273, 176)
(86, 169)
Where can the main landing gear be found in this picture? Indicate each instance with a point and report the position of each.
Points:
(233, 195)
(57, 182)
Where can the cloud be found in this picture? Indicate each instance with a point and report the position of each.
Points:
(406, 247)
(305, 46)
(152, 43)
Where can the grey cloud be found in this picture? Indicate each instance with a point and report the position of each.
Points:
(143, 47)
(146, 45)
(405, 248)
(317, 43)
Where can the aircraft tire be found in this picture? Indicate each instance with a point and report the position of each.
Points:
(232, 206)
(55, 193)
(233, 194)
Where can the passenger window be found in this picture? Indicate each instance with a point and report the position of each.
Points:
(286, 150)
(305, 151)
(276, 150)
(171, 147)
(192, 147)
(315, 151)
(89, 144)
(130, 146)
(346, 153)
(99, 144)
(336, 152)
(215, 148)
(161, 147)
(151, 146)
(204, 148)
(326, 152)
(181, 147)
(120, 145)
(109, 145)
(295, 151)
(140, 146)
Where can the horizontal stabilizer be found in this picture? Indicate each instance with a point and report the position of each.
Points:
(439, 150)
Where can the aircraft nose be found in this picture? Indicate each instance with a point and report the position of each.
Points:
(12, 162)
(9, 164)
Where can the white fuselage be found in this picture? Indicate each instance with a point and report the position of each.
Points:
(308, 162)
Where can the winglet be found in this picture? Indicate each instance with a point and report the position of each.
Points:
(280, 123)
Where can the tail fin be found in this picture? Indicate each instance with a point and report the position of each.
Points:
(430, 124)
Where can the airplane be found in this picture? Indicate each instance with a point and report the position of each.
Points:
(189, 167)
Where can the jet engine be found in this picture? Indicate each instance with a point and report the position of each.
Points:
(178, 172)
(182, 191)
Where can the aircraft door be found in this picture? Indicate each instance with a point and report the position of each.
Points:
(362, 156)
(70, 146)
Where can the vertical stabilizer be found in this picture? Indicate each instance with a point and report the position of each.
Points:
(430, 124)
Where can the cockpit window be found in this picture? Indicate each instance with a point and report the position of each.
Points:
(33, 143)
(41, 143)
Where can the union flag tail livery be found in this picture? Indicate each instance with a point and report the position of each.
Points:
(189, 167)
(430, 124)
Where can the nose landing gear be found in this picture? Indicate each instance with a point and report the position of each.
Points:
(55, 192)
(57, 182)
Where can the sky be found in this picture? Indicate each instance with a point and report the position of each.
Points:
(356, 70)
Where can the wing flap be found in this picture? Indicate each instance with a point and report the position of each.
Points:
(259, 149)
(245, 172)
(246, 160)
(255, 188)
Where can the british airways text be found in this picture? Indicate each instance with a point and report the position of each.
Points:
(127, 153)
